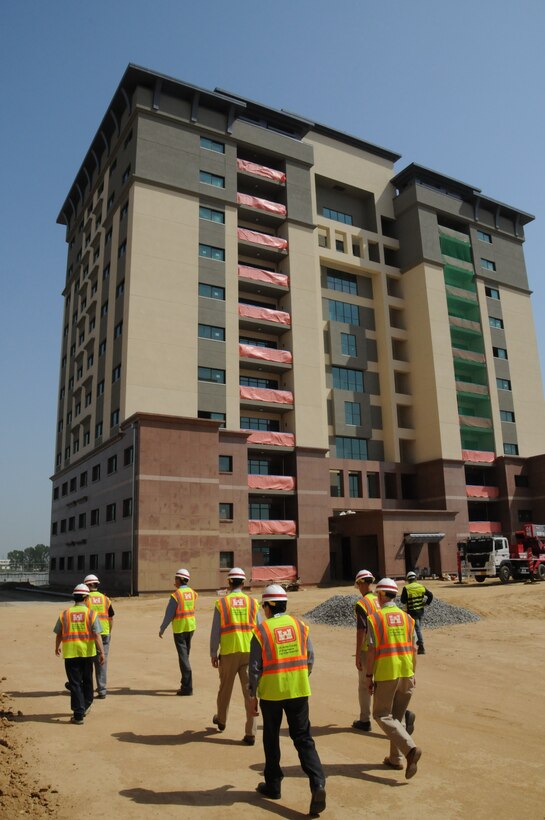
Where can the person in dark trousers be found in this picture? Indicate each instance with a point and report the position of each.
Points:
(101, 604)
(281, 659)
(414, 597)
(77, 638)
(180, 612)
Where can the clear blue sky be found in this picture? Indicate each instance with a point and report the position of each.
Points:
(457, 87)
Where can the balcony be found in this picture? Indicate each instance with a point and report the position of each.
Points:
(266, 438)
(259, 210)
(485, 527)
(468, 356)
(253, 317)
(478, 456)
(279, 401)
(261, 245)
(266, 177)
(482, 491)
(272, 483)
(268, 528)
(471, 389)
(253, 357)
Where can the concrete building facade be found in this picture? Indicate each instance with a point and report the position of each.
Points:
(277, 352)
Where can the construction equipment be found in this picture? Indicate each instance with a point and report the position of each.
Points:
(492, 556)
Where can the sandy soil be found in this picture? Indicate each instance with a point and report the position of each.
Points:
(145, 753)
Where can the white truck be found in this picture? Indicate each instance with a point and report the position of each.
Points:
(492, 556)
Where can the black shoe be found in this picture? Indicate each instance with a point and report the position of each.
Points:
(221, 726)
(421, 651)
(268, 791)
(184, 692)
(249, 740)
(317, 802)
(362, 725)
(78, 720)
(67, 686)
(101, 696)
(410, 718)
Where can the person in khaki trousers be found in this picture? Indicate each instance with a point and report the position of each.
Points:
(235, 617)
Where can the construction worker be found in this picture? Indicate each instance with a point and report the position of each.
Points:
(367, 604)
(391, 662)
(77, 636)
(414, 597)
(281, 659)
(102, 605)
(180, 612)
(234, 620)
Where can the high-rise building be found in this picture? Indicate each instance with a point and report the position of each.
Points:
(278, 352)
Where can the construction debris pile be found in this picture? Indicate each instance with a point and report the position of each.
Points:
(339, 611)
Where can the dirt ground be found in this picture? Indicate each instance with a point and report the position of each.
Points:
(145, 753)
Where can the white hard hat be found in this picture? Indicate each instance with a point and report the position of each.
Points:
(183, 573)
(410, 575)
(365, 577)
(237, 572)
(81, 589)
(387, 585)
(274, 592)
(91, 579)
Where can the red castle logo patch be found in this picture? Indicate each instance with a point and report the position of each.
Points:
(238, 602)
(77, 617)
(284, 634)
(395, 619)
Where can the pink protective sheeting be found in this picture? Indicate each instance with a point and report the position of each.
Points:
(255, 312)
(263, 275)
(478, 456)
(260, 527)
(469, 355)
(262, 204)
(278, 573)
(266, 394)
(268, 354)
(271, 482)
(262, 238)
(482, 491)
(261, 170)
(485, 526)
(266, 437)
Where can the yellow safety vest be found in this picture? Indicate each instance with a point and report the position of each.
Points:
(78, 638)
(100, 604)
(238, 616)
(392, 631)
(368, 604)
(283, 642)
(184, 619)
(416, 594)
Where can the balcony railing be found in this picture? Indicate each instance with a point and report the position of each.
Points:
(261, 171)
(475, 422)
(478, 456)
(261, 527)
(485, 527)
(271, 482)
(266, 394)
(482, 491)
(276, 243)
(266, 276)
(267, 437)
(267, 354)
(267, 205)
(266, 314)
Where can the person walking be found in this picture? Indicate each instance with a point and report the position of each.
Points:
(77, 638)
(391, 663)
(414, 597)
(366, 605)
(235, 617)
(180, 612)
(281, 660)
(102, 605)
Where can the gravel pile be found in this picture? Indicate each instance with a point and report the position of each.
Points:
(339, 611)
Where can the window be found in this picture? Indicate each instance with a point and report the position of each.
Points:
(83, 479)
(58, 459)
(125, 560)
(114, 418)
(127, 507)
(118, 330)
(338, 216)
(356, 249)
(108, 237)
(128, 456)
(245, 340)
(336, 484)
(82, 521)
(355, 448)
(211, 252)
(126, 174)
(92, 324)
(104, 309)
(79, 373)
(348, 344)
(61, 564)
(67, 453)
(500, 353)
(226, 512)
(73, 485)
(483, 236)
(211, 374)
(69, 418)
(90, 360)
(344, 378)
(212, 332)
(63, 361)
(106, 272)
(339, 245)
(110, 512)
(227, 560)
(226, 464)
(354, 485)
(503, 384)
(352, 412)
(109, 560)
(492, 293)
(494, 322)
(77, 409)
(76, 446)
(521, 481)
(128, 138)
(511, 449)
(212, 145)
(86, 438)
(212, 179)
(102, 348)
(507, 415)
(322, 240)
(63, 525)
(95, 517)
(124, 211)
(98, 429)
(116, 373)
(70, 563)
(81, 562)
(53, 564)
(121, 251)
(488, 264)
(343, 312)
(525, 516)
(93, 562)
(254, 381)
(60, 426)
(100, 388)
(212, 215)
(120, 289)
(55, 493)
(345, 282)
(259, 466)
(54, 528)
(206, 414)
(95, 473)
(211, 291)
(112, 465)
(110, 202)
(390, 485)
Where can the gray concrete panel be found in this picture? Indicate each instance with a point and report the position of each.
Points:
(341, 428)
(375, 450)
(372, 384)
(211, 354)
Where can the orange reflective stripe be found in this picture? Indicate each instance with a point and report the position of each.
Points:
(384, 644)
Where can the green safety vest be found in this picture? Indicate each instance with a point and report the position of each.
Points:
(184, 619)
(238, 616)
(392, 631)
(78, 638)
(416, 595)
(368, 604)
(100, 604)
(283, 642)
